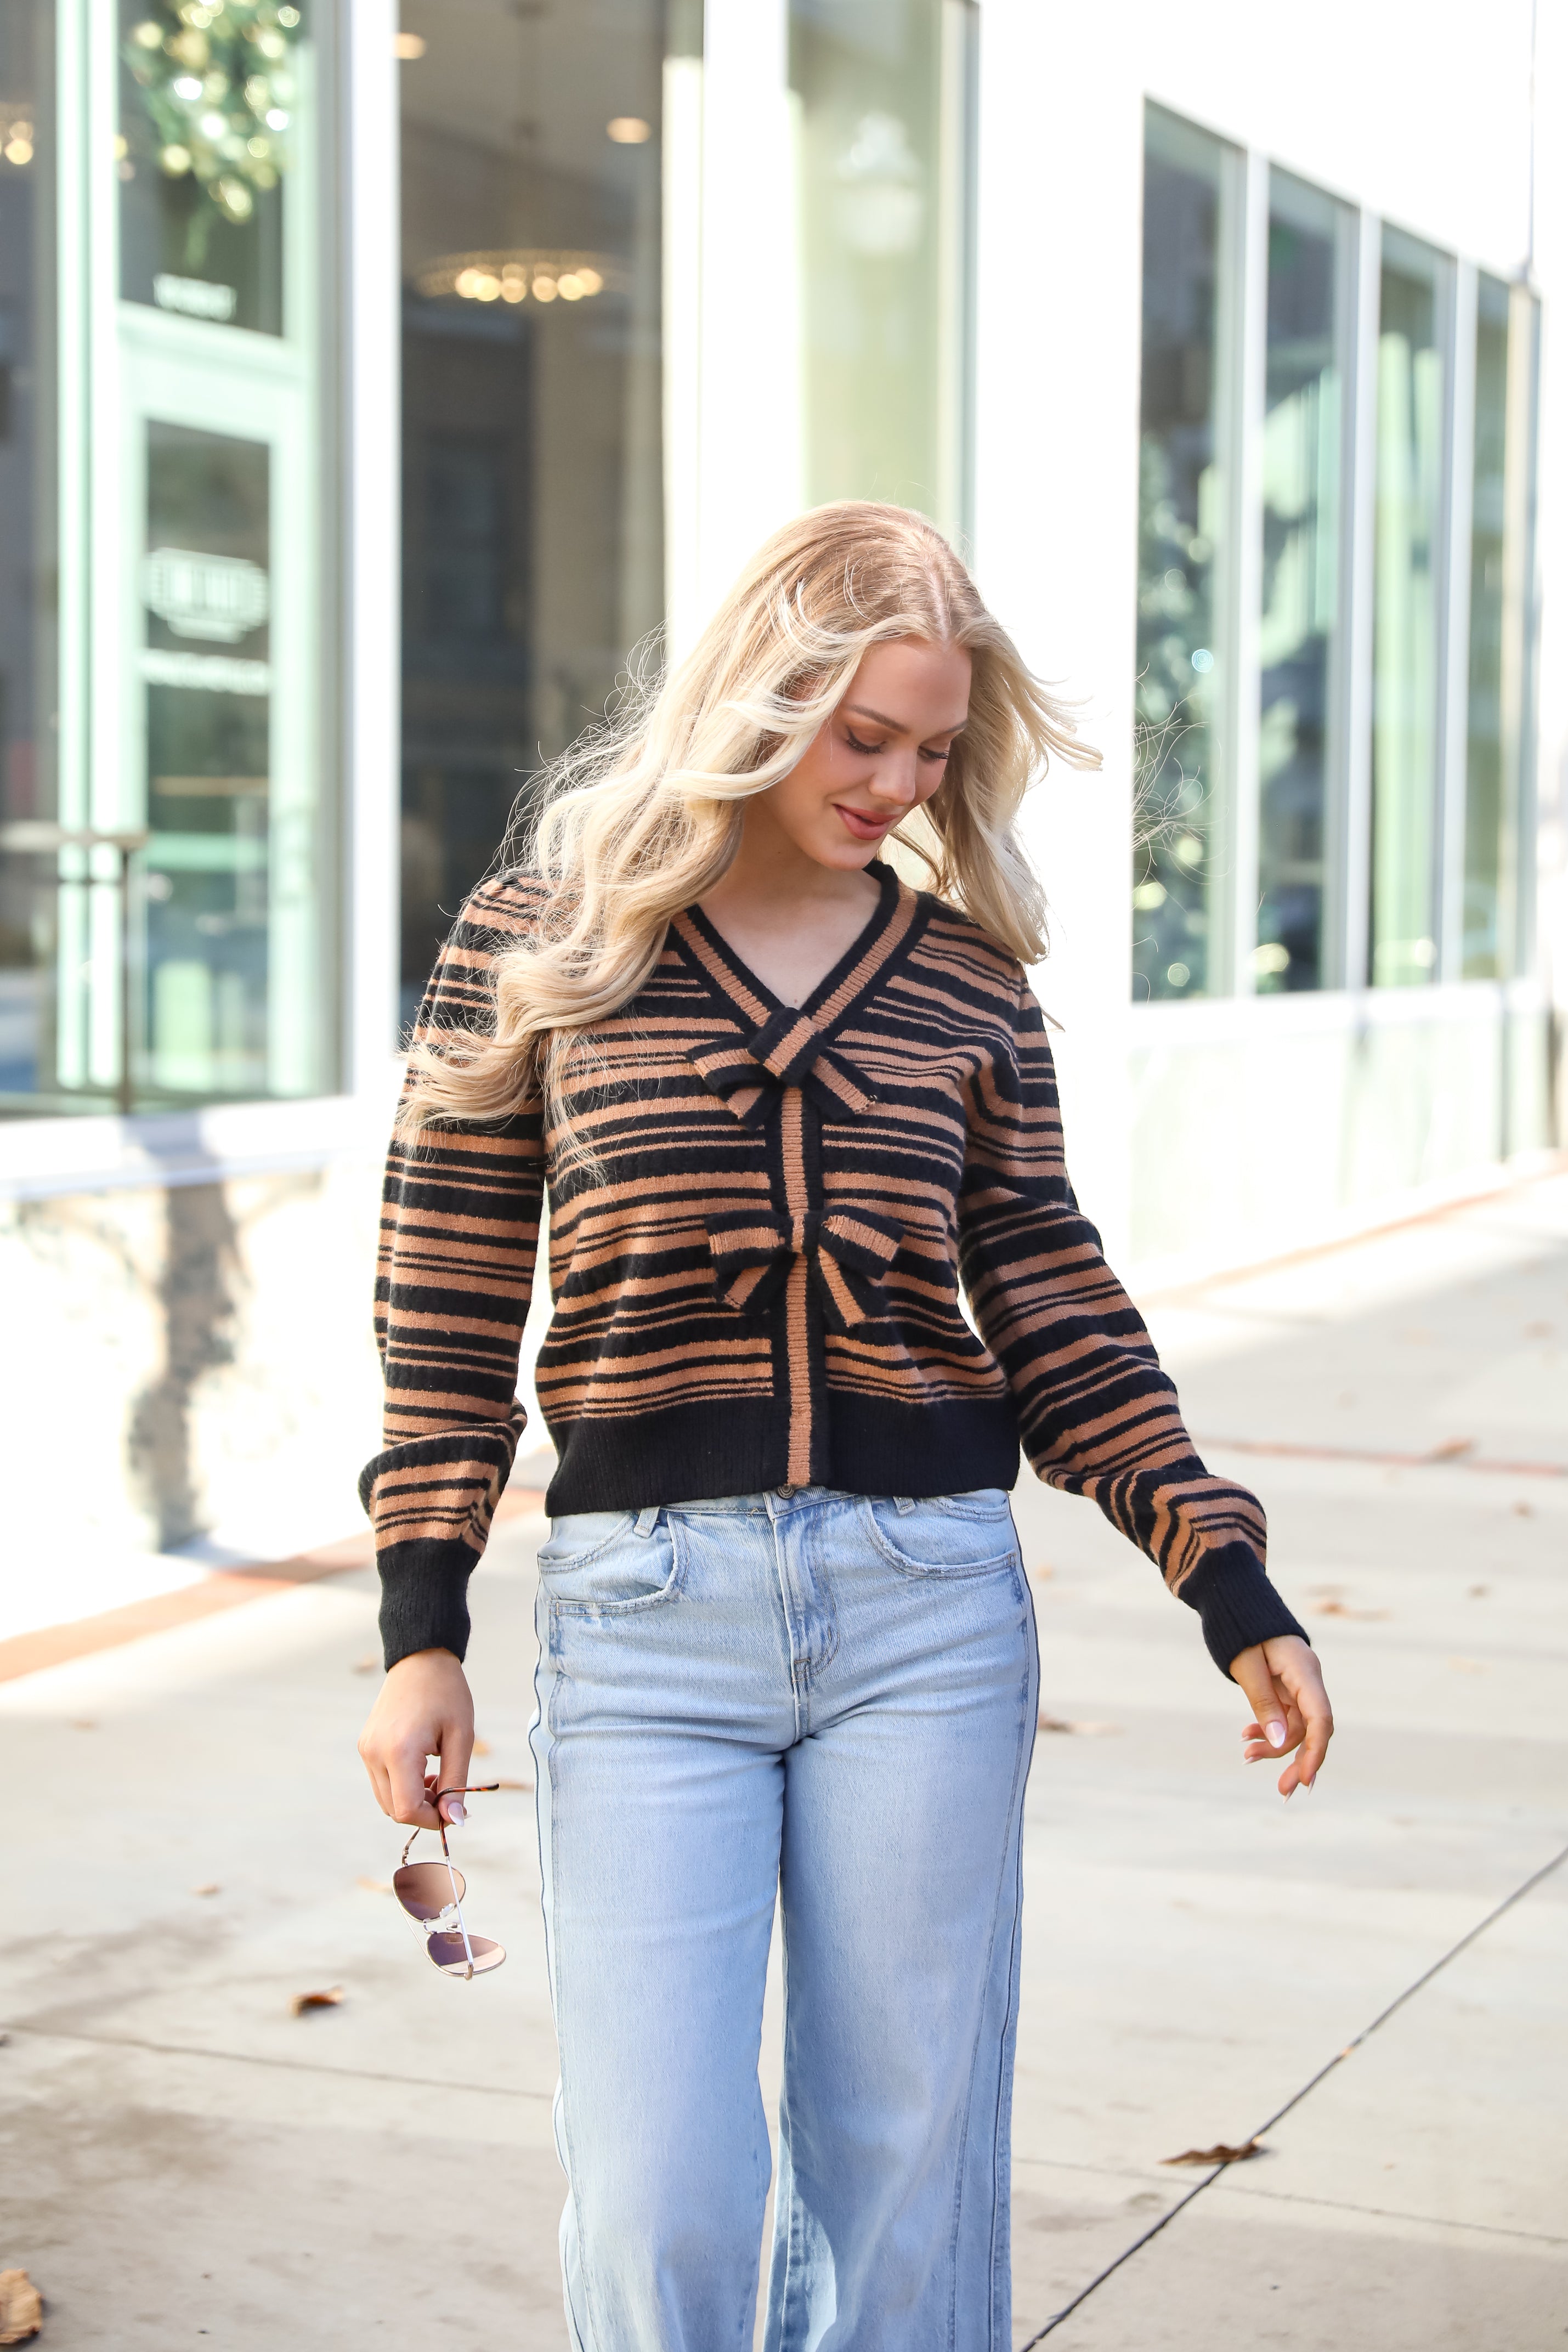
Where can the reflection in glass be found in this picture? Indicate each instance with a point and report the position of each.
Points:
(1187, 200)
(210, 106)
(1299, 623)
(206, 587)
(1407, 611)
(865, 86)
(28, 894)
(1487, 784)
(533, 523)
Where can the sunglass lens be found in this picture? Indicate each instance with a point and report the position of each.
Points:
(450, 1957)
(424, 1888)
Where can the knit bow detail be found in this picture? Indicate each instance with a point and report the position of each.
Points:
(749, 1074)
(848, 1251)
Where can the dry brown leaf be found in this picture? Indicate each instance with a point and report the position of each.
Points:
(1039, 1575)
(1538, 1330)
(374, 1885)
(83, 1723)
(1522, 1510)
(328, 1999)
(1342, 1609)
(1477, 1591)
(212, 1887)
(1219, 2154)
(21, 2307)
(514, 1784)
(367, 1665)
(1451, 1448)
(481, 1747)
(1078, 1730)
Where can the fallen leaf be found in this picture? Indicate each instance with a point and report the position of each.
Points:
(21, 2307)
(1522, 1510)
(83, 1723)
(328, 1999)
(1039, 1575)
(481, 1747)
(1451, 1448)
(1477, 1591)
(1538, 1330)
(212, 1887)
(368, 1665)
(1219, 2154)
(1467, 1666)
(374, 1885)
(1079, 1730)
(1342, 1609)
(514, 1784)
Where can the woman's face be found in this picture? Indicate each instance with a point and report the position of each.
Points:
(882, 752)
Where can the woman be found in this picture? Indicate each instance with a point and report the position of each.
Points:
(782, 1105)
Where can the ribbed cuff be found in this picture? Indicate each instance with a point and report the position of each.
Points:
(424, 1599)
(1238, 1605)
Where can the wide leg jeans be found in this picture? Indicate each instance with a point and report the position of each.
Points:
(826, 1700)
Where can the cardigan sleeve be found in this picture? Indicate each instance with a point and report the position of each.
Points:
(1097, 1415)
(459, 1237)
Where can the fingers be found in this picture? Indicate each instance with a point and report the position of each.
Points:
(1310, 1700)
(1249, 1671)
(456, 1749)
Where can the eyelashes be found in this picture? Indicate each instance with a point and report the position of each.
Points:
(936, 759)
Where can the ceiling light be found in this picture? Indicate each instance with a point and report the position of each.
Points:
(629, 129)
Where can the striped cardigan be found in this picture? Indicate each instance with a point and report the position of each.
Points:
(757, 1283)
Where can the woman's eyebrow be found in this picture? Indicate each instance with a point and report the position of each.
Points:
(863, 711)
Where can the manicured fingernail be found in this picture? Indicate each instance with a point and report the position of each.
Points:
(1276, 1735)
(456, 1816)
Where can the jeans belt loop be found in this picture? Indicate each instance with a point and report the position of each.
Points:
(903, 1504)
(648, 1520)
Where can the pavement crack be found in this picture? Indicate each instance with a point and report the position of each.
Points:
(1526, 1887)
(282, 2065)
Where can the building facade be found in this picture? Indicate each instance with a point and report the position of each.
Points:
(380, 389)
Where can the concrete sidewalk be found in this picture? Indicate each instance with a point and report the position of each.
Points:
(191, 1845)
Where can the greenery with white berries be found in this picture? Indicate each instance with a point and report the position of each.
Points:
(220, 87)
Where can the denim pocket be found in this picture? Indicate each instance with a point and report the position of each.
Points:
(603, 1563)
(945, 1535)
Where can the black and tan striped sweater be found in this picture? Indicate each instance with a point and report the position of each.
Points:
(756, 1280)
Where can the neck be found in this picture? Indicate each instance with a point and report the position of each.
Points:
(771, 871)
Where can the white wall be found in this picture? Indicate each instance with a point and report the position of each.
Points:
(1420, 112)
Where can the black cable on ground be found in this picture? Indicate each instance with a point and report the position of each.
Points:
(1295, 2100)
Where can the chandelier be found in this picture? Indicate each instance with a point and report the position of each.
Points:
(521, 274)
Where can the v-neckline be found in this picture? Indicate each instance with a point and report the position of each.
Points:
(894, 898)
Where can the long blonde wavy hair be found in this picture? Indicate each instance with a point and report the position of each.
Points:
(642, 816)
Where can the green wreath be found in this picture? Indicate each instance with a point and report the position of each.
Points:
(220, 87)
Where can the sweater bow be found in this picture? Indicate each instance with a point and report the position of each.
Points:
(749, 1074)
(848, 1252)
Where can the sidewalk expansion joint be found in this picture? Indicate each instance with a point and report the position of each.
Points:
(283, 2065)
(1519, 1892)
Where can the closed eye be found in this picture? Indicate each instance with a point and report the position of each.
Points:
(854, 743)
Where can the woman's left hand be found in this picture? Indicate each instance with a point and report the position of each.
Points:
(1290, 1710)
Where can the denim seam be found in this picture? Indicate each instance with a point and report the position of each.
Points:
(589, 2333)
(669, 1591)
(1015, 1799)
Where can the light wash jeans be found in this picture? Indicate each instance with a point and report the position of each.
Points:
(831, 1700)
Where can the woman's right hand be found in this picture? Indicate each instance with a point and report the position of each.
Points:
(424, 1708)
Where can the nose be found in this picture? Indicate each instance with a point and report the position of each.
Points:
(897, 781)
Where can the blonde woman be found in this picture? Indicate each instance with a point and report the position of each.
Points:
(782, 1105)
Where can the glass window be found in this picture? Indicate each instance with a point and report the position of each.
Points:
(28, 907)
(1299, 643)
(1184, 495)
(1488, 784)
(877, 91)
(533, 515)
(208, 125)
(1407, 620)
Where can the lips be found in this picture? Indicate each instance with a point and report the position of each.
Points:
(863, 827)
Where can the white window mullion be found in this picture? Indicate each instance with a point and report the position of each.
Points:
(1454, 733)
(1236, 973)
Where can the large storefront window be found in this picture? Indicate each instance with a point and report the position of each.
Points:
(533, 501)
(1407, 635)
(1300, 640)
(28, 901)
(1185, 539)
(180, 856)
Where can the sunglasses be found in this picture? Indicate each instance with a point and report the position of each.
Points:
(431, 1894)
